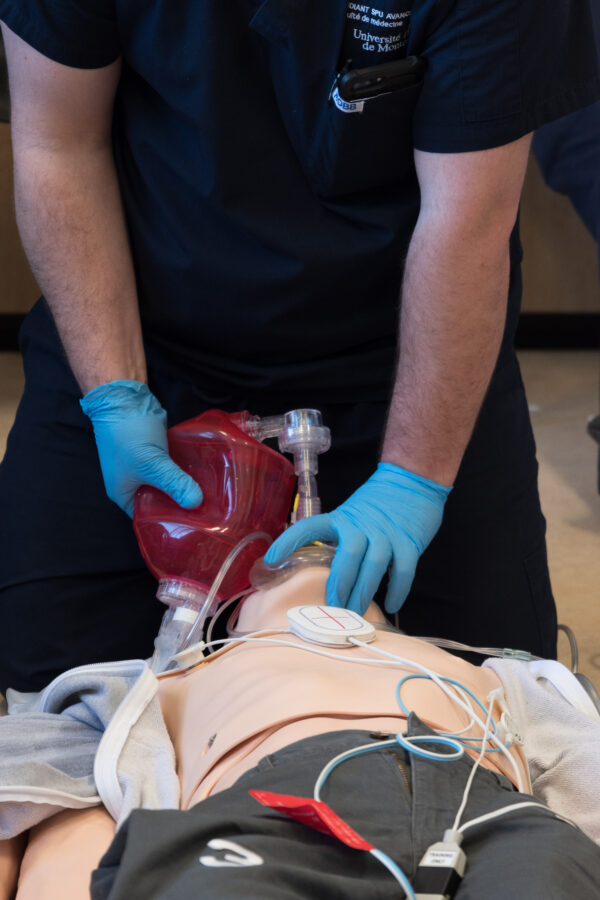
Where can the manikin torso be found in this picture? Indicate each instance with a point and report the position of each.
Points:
(251, 699)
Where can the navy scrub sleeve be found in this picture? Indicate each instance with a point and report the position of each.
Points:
(499, 70)
(83, 35)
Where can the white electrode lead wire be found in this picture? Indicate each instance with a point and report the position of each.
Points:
(224, 606)
(395, 661)
(474, 768)
(435, 678)
(514, 807)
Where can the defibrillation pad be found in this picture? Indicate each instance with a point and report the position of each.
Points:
(329, 625)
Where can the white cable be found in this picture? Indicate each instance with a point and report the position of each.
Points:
(469, 724)
(393, 661)
(483, 651)
(219, 578)
(305, 647)
(355, 751)
(355, 659)
(493, 738)
(412, 664)
(221, 610)
(254, 636)
(473, 721)
(474, 768)
(435, 678)
(507, 809)
(450, 692)
(397, 872)
(383, 858)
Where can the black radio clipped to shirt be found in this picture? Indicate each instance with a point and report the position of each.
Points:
(346, 92)
(362, 84)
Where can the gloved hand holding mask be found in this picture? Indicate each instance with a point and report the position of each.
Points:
(389, 520)
(130, 427)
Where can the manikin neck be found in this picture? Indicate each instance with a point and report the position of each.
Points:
(268, 608)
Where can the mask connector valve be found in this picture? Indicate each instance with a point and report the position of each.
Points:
(301, 433)
(304, 436)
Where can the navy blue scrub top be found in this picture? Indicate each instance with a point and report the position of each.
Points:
(268, 225)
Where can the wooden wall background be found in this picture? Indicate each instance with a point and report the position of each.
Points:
(560, 265)
(18, 290)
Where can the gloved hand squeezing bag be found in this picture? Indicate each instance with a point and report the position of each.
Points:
(130, 427)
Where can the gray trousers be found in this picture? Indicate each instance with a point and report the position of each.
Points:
(400, 803)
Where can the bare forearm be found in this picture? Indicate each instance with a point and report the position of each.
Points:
(452, 319)
(72, 226)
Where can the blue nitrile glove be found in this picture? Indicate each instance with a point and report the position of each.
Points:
(391, 518)
(130, 427)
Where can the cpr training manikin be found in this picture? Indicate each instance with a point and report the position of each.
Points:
(172, 734)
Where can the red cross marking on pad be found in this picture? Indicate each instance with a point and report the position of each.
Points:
(327, 615)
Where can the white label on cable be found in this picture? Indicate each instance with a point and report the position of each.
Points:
(185, 614)
(445, 859)
(347, 106)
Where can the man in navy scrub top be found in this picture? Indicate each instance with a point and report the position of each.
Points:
(222, 213)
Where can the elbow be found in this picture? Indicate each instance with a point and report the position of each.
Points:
(480, 232)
